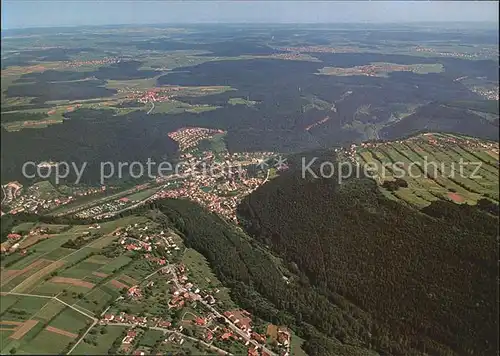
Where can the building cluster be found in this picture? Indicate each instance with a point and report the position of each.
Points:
(189, 137)
(95, 62)
(107, 207)
(32, 202)
(489, 94)
(281, 336)
(217, 195)
(291, 56)
(124, 318)
(371, 70)
(11, 191)
(218, 186)
(318, 49)
(142, 237)
(182, 290)
(475, 55)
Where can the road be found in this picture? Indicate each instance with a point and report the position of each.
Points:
(229, 322)
(237, 330)
(94, 320)
(155, 272)
(168, 331)
(82, 337)
(152, 107)
(50, 297)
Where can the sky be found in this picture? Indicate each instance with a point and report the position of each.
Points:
(53, 13)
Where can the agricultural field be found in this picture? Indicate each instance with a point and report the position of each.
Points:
(39, 325)
(59, 285)
(100, 341)
(434, 166)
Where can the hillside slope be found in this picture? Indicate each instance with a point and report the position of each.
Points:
(427, 282)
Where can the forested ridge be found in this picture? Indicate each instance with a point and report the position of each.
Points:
(428, 277)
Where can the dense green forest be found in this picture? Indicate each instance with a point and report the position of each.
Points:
(426, 280)
(257, 284)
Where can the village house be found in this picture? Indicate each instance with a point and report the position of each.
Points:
(129, 337)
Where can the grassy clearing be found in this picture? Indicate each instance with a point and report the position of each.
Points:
(95, 300)
(115, 264)
(241, 101)
(202, 276)
(45, 343)
(23, 228)
(49, 310)
(103, 342)
(296, 346)
(150, 337)
(70, 320)
(6, 301)
(80, 270)
(143, 194)
(24, 308)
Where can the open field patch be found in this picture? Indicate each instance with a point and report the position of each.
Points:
(73, 282)
(103, 341)
(11, 323)
(117, 284)
(432, 170)
(115, 264)
(45, 343)
(23, 329)
(70, 320)
(79, 255)
(28, 283)
(6, 301)
(33, 239)
(129, 280)
(58, 253)
(80, 270)
(100, 274)
(10, 274)
(61, 332)
(150, 337)
(98, 259)
(96, 300)
(24, 308)
(49, 310)
(457, 198)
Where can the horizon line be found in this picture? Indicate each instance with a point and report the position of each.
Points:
(406, 23)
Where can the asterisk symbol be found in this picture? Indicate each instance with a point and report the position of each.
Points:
(281, 163)
(262, 164)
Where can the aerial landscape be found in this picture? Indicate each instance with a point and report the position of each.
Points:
(240, 188)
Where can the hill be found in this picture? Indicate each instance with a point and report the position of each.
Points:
(425, 279)
(438, 117)
(434, 166)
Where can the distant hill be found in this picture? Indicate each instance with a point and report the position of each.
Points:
(439, 117)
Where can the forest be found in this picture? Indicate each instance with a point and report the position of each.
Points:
(428, 277)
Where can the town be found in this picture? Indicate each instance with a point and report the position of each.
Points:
(198, 307)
